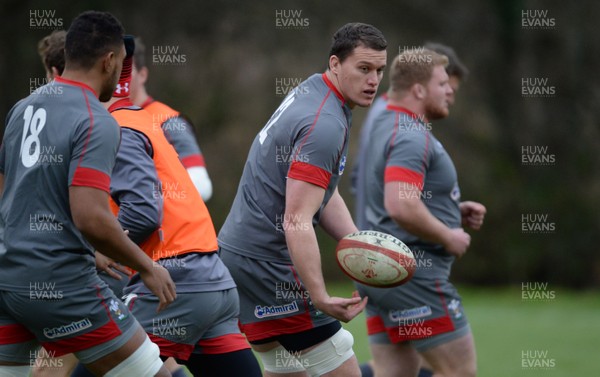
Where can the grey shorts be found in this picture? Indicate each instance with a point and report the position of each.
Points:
(424, 312)
(202, 323)
(272, 297)
(86, 319)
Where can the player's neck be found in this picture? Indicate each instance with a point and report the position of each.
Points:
(407, 102)
(83, 77)
(140, 97)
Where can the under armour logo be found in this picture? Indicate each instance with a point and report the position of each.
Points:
(120, 87)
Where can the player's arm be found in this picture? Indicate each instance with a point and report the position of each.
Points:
(303, 200)
(403, 203)
(336, 219)
(91, 215)
(135, 186)
(90, 166)
(179, 131)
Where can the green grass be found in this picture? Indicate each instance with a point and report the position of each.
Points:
(566, 328)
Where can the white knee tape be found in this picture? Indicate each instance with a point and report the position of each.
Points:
(20, 371)
(145, 361)
(328, 355)
(278, 360)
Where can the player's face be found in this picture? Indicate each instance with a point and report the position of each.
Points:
(112, 77)
(454, 83)
(438, 94)
(360, 74)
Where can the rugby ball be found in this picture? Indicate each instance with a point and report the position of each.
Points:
(376, 259)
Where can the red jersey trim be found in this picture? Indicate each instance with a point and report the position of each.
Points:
(82, 342)
(399, 174)
(89, 177)
(333, 88)
(172, 349)
(193, 160)
(123, 103)
(15, 333)
(309, 173)
(414, 331)
(224, 344)
(267, 329)
(402, 110)
(75, 83)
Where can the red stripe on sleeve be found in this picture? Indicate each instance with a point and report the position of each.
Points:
(396, 173)
(193, 160)
(91, 178)
(309, 173)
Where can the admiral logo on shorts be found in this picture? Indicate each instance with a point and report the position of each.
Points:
(399, 315)
(64, 330)
(275, 310)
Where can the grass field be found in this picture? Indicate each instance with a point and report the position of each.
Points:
(521, 337)
(516, 337)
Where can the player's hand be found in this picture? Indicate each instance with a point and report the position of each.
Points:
(472, 214)
(457, 242)
(104, 263)
(159, 282)
(343, 309)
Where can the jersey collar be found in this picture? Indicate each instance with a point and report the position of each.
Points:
(123, 103)
(332, 87)
(403, 110)
(74, 83)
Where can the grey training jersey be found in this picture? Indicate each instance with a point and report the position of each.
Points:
(59, 136)
(305, 139)
(402, 148)
(358, 170)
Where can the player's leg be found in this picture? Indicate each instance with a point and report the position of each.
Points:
(115, 285)
(455, 358)
(138, 356)
(275, 306)
(395, 360)
(46, 365)
(222, 350)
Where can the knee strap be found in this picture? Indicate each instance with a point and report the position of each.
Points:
(145, 361)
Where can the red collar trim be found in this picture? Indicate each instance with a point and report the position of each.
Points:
(147, 102)
(120, 104)
(403, 110)
(75, 83)
(332, 87)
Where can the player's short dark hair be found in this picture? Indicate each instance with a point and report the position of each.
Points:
(52, 50)
(355, 34)
(139, 56)
(91, 35)
(455, 66)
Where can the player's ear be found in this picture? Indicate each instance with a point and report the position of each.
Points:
(419, 91)
(54, 71)
(143, 75)
(109, 61)
(334, 64)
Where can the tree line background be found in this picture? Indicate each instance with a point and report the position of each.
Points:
(230, 58)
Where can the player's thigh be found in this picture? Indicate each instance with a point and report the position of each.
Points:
(454, 358)
(394, 360)
(45, 365)
(180, 328)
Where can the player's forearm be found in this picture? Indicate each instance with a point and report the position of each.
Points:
(105, 234)
(336, 219)
(414, 217)
(304, 251)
